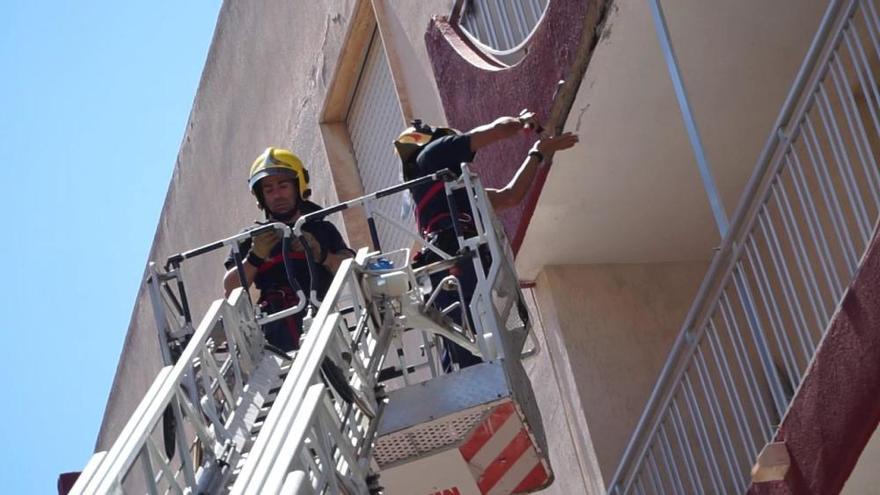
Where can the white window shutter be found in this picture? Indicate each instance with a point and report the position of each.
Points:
(374, 121)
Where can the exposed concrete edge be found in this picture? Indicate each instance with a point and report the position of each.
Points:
(104, 439)
(563, 101)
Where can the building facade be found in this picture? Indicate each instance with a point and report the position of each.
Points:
(671, 354)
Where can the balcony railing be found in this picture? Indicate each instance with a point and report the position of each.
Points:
(799, 232)
(500, 28)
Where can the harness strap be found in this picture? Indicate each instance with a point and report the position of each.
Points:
(269, 263)
(429, 227)
(433, 191)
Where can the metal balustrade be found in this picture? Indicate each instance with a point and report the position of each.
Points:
(799, 232)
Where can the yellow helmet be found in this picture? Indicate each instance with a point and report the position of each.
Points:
(277, 161)
(412, 140)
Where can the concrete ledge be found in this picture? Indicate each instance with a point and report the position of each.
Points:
(837, 407)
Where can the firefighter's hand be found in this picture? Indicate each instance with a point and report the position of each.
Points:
(313, 244)
(528, 120)
(263, 243)
(548, 145)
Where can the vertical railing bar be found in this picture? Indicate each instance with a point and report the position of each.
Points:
(873, 25)
(332, 452)
(633, 474)
(736, 403)
(772, 307)
(639, 488)
(498, 36)
(208, 407)
(508, 21)
(311, 458)
(748, 373)
(521, 24)
(690, 461)
(401, 359)
(630, 477)
(429, 354)
(854, 123)
(494, 35)
(655, 473)
(345, 451)
(829, 194)
(744, 293)
(702, 433)
(819, 240)
(721, 429)
(788, 288)
(505, 26)
(326, 464)
(535, 11)
(802, 261)
(874, 22)
(866, 86)
(232, 345)
(528, 12)
(164, 466)
(213, 371)
(669, 459)
(479, 15)
(808, 275)
(149, 472)
(871, 88)
(189, 469)
(826, 113)
(765, 289)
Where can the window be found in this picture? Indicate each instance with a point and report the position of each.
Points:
(374, 120)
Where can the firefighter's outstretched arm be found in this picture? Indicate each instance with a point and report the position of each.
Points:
(541, 153)
(498, 129)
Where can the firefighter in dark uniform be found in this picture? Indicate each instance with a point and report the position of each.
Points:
(424, 150)
(280, 183)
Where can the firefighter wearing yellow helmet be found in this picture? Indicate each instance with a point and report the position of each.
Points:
(424, 150)
(280, 182)
(278, 162)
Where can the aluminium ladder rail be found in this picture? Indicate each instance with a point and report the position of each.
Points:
(202, 388)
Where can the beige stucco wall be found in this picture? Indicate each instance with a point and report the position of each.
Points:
(609, 329)
(261, 86)
(865, 479)
(264, 83)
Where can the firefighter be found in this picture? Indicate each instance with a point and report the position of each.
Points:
(280, 183)
(424, 150)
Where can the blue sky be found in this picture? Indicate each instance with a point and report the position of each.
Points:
(94, 97)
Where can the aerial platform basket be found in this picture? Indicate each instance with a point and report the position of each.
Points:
(477, 430)
(228, 414)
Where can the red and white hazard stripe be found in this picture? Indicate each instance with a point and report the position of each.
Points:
(502, 454)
